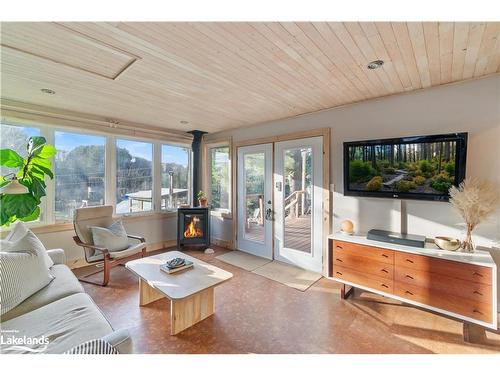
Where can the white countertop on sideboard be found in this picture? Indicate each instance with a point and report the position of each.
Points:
(479, 257)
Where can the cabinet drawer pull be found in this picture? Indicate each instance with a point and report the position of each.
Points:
(477, 311)
(477, 274)
(409, 260)
(409, 277)
(339, 273)
(339, 247)
(385, 255)
(385, 286)
(338, 260)
(476, 292)
(408, 292)
(384, 270)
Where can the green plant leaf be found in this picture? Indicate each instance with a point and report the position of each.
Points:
(37, 188)
(43, 169)
(35, 143)
(36, 173)
(10, 158)
(33, 216)
(4, 217)
(19, 205)
(3, 181)
(46, 152)
(41, 162)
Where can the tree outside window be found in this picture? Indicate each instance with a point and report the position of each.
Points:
(219, 177)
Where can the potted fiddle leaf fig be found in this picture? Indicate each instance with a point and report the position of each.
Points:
(21, 192)
(202, 198)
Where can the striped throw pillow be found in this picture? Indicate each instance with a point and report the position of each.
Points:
(97, 346)
(22, 273)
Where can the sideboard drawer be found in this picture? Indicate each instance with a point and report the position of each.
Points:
(442, 300)
(363, 264)
(374, 253)
(457, 270)
(435, 281)
(359, 278)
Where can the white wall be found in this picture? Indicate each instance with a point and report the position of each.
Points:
(472, 107)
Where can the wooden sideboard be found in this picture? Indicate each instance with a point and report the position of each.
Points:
(460, 285)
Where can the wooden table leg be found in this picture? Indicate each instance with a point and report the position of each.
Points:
(148, 294)
(346, 291)
(186, 312)
(474, 334)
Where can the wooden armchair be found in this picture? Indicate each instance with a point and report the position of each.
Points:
(102, 216)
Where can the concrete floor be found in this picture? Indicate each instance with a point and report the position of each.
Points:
(257, 315)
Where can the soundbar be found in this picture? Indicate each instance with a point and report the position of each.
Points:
(397, 238)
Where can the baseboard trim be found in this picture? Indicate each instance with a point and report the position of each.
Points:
(222, 243)
(79, 263)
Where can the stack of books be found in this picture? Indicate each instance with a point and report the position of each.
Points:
(176, 265)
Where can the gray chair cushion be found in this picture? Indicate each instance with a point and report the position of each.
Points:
(64, 284)
(86, 217)
(66, 323)
(113, 238)
(131, 250)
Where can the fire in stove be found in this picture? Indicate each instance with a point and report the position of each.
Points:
(192, 229)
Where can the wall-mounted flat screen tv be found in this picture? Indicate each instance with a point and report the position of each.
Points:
(421, 167)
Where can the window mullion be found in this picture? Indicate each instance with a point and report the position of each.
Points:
(48, 203)
(156, 177)
(110, 172)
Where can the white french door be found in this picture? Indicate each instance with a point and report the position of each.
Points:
(255, 226)
(298, 202)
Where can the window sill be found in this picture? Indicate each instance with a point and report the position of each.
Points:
(223, 214)
(147, 215)
(68, 225)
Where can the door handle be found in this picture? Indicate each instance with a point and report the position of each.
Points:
(269, 214)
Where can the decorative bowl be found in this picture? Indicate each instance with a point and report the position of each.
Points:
(347, 227)
(447, 243)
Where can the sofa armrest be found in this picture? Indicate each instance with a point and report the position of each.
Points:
(120, 340)
(57, 256)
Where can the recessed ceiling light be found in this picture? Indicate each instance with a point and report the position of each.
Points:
(375, 64)
(184, 122)
(48, 91)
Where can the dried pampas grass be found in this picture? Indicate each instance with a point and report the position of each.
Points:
(475, 201)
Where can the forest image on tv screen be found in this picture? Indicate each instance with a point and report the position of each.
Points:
(421, 168)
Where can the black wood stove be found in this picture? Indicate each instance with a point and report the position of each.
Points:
(193, 227)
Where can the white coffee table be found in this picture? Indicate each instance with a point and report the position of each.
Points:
(191, 291)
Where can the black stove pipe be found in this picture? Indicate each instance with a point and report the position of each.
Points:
(196, 147)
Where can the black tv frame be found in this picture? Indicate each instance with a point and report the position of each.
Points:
(460, 164)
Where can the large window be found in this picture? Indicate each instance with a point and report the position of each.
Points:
(134, 176)
(79, 172)
(15, 138)
(219, 177)
(146, 176)
(174, 177)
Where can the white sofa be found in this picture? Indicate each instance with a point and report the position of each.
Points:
(61, 312)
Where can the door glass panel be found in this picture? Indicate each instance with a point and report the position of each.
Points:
(297, 195)
(254, 166)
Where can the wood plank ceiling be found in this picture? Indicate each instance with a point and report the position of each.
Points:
(218, 76)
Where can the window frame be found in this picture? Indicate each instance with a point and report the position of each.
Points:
(153, 175)
(47, 219)
(208, 146)
(190, 173)
(51, 139)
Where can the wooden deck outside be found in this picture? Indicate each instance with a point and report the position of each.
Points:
(297, 233)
